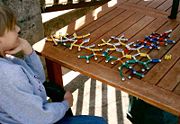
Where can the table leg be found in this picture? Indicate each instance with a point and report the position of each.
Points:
(54, 72)
(174, 9)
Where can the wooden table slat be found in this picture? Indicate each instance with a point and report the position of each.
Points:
(167, 4)
(177, 89)
(115, 24)
(160, 69)
(101, 21)
(172, 77)
(144, 3)
(86, 19)
(134, 1)
(98, 33)
(155, 3)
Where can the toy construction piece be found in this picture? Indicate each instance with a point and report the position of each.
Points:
(79, 44)
(128, 65)
(168, 57)
(94, 53)
(121, 38)
(81, 37)
(121, 46)
(155, 40)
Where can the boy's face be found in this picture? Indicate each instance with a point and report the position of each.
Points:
(10, 39)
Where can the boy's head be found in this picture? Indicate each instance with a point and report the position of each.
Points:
(7, 20)
(8, 30)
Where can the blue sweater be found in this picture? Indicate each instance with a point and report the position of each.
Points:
(22, 95)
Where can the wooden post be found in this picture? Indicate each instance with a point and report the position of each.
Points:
(174, 9)
(54, 72)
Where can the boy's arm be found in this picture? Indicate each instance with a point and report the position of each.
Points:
(20, 102)
(34, 62)
(31, 58)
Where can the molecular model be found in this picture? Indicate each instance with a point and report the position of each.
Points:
(127, 52)
(155, 40)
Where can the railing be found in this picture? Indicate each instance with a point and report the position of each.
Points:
(58, 5)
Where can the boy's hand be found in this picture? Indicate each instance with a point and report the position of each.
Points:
(69, 97)
(23, 46)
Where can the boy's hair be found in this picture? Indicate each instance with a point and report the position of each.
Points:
(7, 19)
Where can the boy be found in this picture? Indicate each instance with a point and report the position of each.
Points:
(22, 94)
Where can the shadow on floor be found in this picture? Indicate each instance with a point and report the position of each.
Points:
(92, 97)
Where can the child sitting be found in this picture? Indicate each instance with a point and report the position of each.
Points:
(23, 98)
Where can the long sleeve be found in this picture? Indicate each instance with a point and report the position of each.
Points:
(20, 102)
(34, 62)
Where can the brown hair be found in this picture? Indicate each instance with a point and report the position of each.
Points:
(7, 19)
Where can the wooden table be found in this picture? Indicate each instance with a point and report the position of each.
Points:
(161, 84)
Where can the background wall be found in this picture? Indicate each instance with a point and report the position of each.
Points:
(29, 19)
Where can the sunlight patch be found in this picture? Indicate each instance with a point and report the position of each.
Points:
(112, 3)
(68, 77)
(80, 22)
(96, 12)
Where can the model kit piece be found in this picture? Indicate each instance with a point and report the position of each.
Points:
(155, 40)
(86, 57)
(80, 37)
(95, 55)
(128, 63)
(168, 57)
(105, 43)
(121, 46)
(79, 43)
(121, 38)
(107, 56)
(52, 39)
